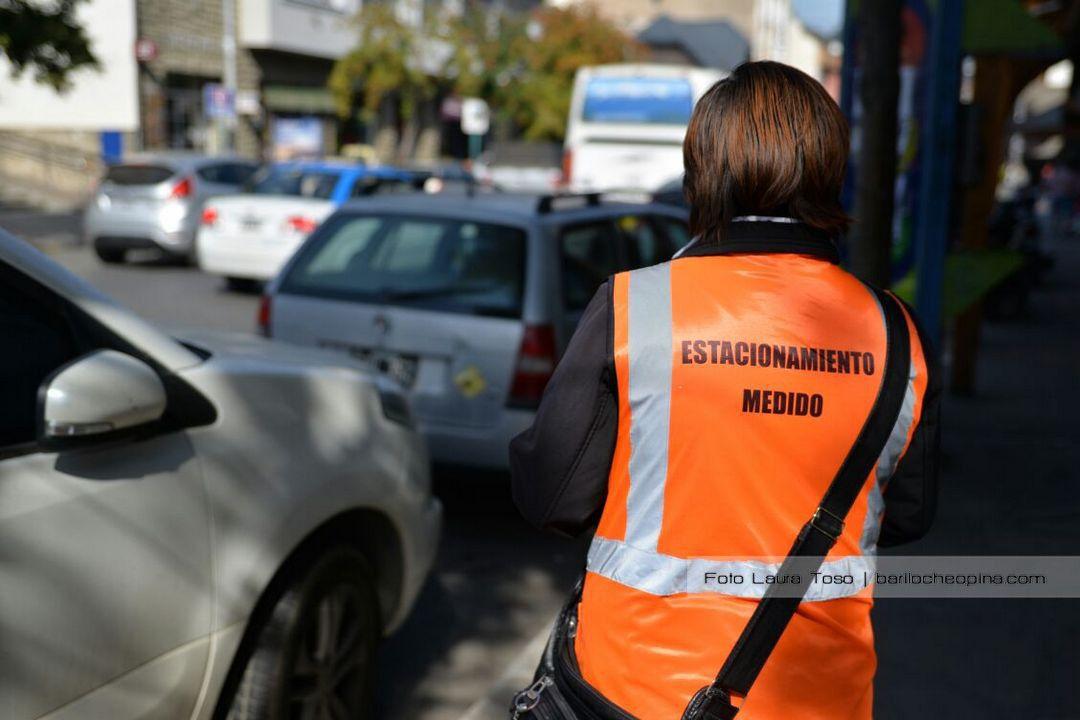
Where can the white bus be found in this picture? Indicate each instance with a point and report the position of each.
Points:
(627, 123)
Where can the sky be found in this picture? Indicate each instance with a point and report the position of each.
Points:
(823, 17)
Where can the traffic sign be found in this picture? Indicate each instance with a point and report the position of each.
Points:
(475, 116)
(247, 102)
(218, 102)
(146, 50)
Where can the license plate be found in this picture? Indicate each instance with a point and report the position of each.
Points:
(399, 367)
(250, 224)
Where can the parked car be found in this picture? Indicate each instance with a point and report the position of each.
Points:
(193, 525)
(249, 236)
(446, 178)
(466, 300)
(155, 201)
(671, 193)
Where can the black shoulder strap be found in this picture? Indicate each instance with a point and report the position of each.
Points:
(820, 533)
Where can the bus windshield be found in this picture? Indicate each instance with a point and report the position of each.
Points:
(638, 100)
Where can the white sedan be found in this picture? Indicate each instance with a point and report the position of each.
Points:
(250, 236)
(193, 529)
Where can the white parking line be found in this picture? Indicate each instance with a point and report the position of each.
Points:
(495, 702)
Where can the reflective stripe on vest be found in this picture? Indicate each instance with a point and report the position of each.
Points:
(886, 466)
(649, 392)
(635, 562)
(658, 574)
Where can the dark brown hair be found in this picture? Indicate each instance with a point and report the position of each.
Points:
(766, 140)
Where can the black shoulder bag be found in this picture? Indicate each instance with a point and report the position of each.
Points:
(559, 692)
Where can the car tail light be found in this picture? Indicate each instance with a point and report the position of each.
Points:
(567, 165)
(181, 189)
(301, 224)
(262, 320)
(209, 216)
(535, 364)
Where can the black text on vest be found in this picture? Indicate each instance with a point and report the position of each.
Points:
(780, 402)
(786, 357)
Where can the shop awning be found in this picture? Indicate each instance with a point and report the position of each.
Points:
(294, 99)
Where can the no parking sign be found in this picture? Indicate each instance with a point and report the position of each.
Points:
(218, 101)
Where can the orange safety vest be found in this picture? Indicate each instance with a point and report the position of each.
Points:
(743, 381)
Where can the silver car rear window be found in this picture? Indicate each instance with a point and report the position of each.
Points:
(138, 174)
(450, 265)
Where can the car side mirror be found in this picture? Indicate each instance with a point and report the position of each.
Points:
(96, 397)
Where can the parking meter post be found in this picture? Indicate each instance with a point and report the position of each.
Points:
(475, 122)
(227, 122)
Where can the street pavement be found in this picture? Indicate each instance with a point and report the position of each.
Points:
(1008, 486)
(497, 583)
(164, 292)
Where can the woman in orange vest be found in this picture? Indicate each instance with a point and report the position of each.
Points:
(704, 405)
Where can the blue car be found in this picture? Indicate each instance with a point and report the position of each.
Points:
(249, 236)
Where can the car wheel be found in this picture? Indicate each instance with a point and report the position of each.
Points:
(315, 655)
(110, 256)
(241, 284)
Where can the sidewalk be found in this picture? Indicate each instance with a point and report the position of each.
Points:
(43, 229)
(1010, 485)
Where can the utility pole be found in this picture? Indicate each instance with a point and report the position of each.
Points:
(1071, 153)
(879, 89)
(936, 196)
(228, 70)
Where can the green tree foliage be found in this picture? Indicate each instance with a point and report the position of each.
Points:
(562, 40)
(522, 65)
(382, 65)
(45, 37)
(486, 52)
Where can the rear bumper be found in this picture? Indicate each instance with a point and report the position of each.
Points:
(486, 447)
(230, 258)
(106, 229)
(117, 242)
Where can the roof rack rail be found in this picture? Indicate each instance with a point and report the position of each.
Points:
(546, 202)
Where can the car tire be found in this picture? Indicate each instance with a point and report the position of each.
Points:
(241, 284)
(191, 257)
(109, 256)
(315, 654)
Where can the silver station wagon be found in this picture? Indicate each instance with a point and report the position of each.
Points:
(467, 301)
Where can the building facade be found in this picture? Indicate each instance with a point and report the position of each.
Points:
(285, 50)
(160, 64)
(779, 34)
(51, 142)
(771, 27)
(633, 16)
